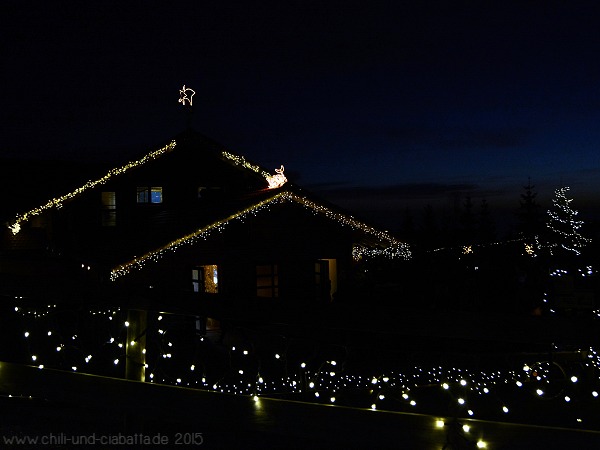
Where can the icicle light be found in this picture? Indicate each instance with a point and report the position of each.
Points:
(204, 232)
(57, 202)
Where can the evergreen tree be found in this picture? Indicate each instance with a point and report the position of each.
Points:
(529, 214)
(429, 231)
(486, 228)
(468, 221)
(408, 226)
(563, 226)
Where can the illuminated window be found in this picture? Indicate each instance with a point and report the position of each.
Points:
(267, 281)
(149, 194)
(109, 209)
(205, 279)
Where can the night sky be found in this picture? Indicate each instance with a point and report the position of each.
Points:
(377, 106)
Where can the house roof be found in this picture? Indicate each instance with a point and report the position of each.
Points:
(390, 243)
(250, 196)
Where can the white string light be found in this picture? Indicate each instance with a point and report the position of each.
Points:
(395, 247)
(185, 95)
(475, 392)
(58, 202)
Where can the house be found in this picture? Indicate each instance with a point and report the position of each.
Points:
(187, 221)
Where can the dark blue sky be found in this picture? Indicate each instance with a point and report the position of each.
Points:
(377, 105)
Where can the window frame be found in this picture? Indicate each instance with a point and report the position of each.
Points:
(109, 208)
(203, 285)
(145, 195)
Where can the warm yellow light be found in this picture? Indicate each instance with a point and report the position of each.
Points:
(439, 423)
(185, 95)
(481, 444)
(277, 180)
(15, 228)
(396, 247)
(58, 202)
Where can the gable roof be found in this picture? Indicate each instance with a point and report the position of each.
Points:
(390, 243)
(189, 137)
(194, 224)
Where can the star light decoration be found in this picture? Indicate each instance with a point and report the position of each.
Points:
(185, 95)
(396, 247)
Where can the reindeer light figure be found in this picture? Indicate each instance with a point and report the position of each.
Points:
(278, 179)
(185, 95)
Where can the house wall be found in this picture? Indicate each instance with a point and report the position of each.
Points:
(288, 236)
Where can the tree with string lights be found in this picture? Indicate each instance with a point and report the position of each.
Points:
(564, 237)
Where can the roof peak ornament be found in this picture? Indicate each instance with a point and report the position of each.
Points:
(185, 95)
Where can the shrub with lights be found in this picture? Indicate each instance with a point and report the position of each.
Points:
(262, 364)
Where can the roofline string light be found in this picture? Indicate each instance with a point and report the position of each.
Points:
(57, 202)
(15, 227)
(274, 181)
(400, 248)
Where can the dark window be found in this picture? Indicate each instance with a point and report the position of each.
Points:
(267, 281)
(109, 209)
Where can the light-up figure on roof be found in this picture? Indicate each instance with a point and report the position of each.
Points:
(185, 95)
(278, 179)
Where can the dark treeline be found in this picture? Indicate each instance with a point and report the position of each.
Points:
(461, 262)
(475, 221)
